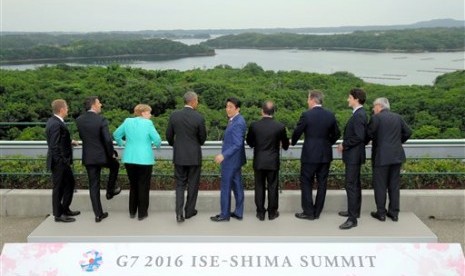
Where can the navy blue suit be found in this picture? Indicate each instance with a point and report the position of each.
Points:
(59, 160)
(233, 150)
(354, 156)
(321, 131)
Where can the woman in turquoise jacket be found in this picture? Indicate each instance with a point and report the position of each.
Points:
(137, 135)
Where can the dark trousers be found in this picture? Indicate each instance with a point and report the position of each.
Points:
(387, 178)
(353, 190)
(93, 173)
(308, 172)
(139, 188)
(266, 180)
(63, 188)
(186, 176)
(231, 179)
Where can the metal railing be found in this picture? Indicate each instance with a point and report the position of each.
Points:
(420, 149)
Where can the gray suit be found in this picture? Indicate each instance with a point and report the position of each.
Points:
(388, 131)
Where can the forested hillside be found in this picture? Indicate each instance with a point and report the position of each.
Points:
(415, 40)
(143, 49)
(25, 96)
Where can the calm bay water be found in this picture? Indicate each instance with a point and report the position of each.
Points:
(384, 68)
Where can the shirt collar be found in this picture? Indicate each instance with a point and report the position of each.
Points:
(61, 119)
(357, 108)
(230, 119)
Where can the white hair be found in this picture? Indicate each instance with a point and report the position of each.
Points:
(383, 102)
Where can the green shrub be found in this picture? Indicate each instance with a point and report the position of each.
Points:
(20, 172)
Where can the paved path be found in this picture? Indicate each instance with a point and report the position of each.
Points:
(162, 227)
(16, 229)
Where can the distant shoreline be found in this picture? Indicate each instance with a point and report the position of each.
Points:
(349, 49)
(147, 57)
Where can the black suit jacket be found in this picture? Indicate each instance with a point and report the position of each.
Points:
(60, 150)
(266, 137)
(321, 132)
(355, 133)
(97, 144)
(186, 132)
(388, 131)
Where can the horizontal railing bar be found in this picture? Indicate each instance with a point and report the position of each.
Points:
(415, 149)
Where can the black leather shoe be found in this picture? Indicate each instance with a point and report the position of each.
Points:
(101, 217)
(132, 216)
(143, 217)
(235, 216)
(304, 216)
(70, 213)
(346, 214)
(273, 216)
(116, 191)
(64, 218)
(260, 216)
(179, 218)
(347, 225)
(191, 215)
(392, 217)
(218, 218)
(378, 216)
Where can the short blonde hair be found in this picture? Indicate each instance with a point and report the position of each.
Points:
(57, 105)
(138, 109)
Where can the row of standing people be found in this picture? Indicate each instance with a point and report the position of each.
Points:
(186, 132)
(97, 152)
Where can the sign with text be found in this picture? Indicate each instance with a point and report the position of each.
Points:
(232, 259)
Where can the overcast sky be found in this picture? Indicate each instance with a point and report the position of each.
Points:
(134, 15)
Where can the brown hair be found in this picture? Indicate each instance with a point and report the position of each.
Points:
(358, 94)
(316, 95)
(138, 109)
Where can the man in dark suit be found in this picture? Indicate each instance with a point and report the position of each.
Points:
(97, 152)
(266, 137)
(59, 160)
(388, 131)
(232, 158)
(321, 132)
(353, 156)
(186, 132)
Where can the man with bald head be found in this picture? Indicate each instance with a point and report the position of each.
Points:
(266, 137)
